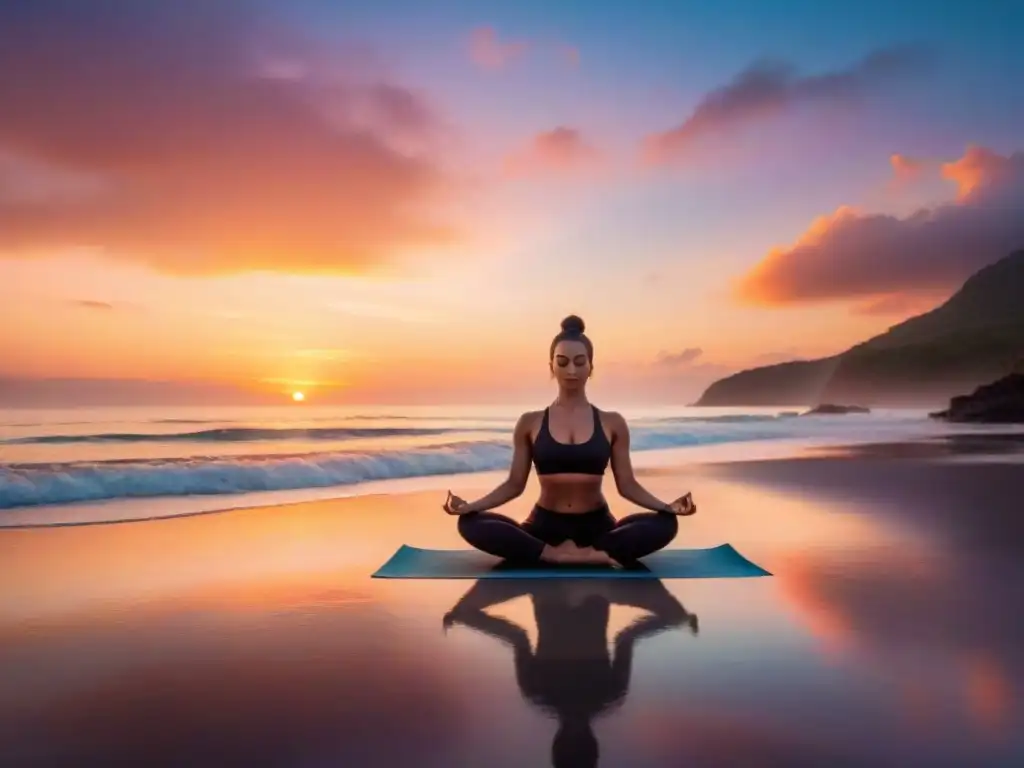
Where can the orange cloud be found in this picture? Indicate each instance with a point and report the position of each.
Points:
(561, 150)
(907, 169)
(488, 51)
(848, 254)
(138, 135)
(686, 356)
(981, 166)
(769, 88)
(104, 306)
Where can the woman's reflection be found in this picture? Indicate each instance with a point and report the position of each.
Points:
(572, 675)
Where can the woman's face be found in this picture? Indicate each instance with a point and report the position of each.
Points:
(571, 364)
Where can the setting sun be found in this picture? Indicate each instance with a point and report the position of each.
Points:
(298, 397)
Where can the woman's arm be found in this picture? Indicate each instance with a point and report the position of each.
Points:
(626, 483)
(666, 613)
(494, 626)
(649, 595)
(486, 593)
(514, 485)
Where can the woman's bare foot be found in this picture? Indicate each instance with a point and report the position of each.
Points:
(569, 553)
(591, 556)
(566, 552)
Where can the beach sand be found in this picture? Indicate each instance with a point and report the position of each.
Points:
(890, 634)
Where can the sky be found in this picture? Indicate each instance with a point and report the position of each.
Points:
(391, 202)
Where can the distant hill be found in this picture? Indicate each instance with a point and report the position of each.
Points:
(973, 338)
(796, 383)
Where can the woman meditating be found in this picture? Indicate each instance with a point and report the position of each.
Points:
(571, 444)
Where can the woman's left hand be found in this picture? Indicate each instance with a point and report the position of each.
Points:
(683, 506)
(455, 505)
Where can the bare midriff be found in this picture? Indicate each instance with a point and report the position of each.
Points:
(571, 493)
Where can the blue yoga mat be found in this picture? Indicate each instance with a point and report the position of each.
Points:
(714, 563)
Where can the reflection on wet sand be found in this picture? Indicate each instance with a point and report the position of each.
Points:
(955, 621)
(571, 675)
(940, 625)
(306, 683)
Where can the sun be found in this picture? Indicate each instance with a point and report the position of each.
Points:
(298, 397)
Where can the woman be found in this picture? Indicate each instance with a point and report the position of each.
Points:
(570, 443)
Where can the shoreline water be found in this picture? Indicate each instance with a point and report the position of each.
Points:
(95, 490)
(116, 511)
(132, 453)
(141, 510)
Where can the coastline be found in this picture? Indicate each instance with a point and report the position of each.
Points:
(966, 442)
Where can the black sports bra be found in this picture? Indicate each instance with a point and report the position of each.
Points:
(553, 458)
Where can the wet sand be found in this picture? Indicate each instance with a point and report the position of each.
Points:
(891, 633)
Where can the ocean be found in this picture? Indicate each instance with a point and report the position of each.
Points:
(75, 466)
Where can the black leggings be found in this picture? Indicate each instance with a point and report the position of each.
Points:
(625, 540)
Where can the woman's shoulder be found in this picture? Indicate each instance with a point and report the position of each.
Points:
(528, 420)
(531, 415)
(611, 419)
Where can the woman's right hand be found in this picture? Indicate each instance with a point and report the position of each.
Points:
(454, 505)
(683, 506)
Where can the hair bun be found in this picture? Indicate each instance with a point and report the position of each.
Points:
(573, 324)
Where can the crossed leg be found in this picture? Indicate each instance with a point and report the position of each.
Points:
(628, 540)
(638, 535)
(500, 536)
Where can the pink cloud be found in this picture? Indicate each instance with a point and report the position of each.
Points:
(135, 134)
(770, 88)
(907, 169)
(104, 306)
(848, 254)
(488, 51)
(561, 150)
(684, 357)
